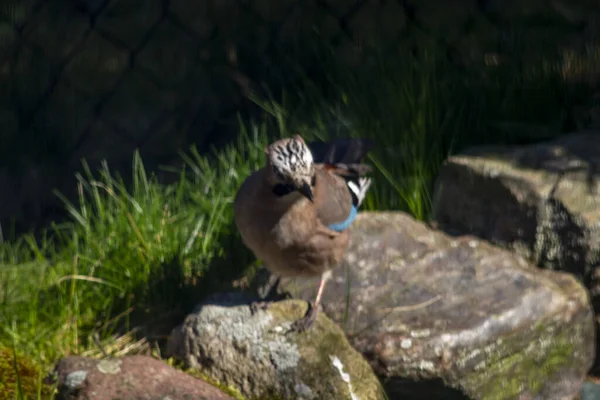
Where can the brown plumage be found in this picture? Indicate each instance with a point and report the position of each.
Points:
(286, 212)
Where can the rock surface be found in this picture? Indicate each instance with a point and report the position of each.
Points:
(444, 318)
(131, 378)
(542, 201)
(257, 355)
(590, 391)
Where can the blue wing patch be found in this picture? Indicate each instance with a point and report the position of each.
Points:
(340, 226)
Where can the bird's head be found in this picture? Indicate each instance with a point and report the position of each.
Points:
(292, 164)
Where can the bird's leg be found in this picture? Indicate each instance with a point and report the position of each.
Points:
(258, 305)
(271, 296)
(310, 317)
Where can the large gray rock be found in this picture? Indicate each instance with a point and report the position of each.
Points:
(130, 378)
(542, 201)
(258, 355)
(444, 318)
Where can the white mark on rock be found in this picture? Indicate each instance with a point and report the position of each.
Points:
(75, 379)
(111, 367)
(340, 367)
(304, 391)
(345, 376)
(406, 344)
(421, 334)
(426, 366)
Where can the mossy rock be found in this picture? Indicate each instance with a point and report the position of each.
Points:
(260, 357)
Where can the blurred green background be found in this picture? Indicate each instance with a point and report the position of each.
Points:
(97, 79)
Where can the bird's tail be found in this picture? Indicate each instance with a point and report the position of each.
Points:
(345, 151)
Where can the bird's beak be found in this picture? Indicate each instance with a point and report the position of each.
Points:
(306, 191)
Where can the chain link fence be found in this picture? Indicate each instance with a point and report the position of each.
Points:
(96, 79)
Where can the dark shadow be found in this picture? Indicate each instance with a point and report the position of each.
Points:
(427, 389)
(497, 208)
(229, 299)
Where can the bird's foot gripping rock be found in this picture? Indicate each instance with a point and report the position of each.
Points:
(259, 305)
(263, 305)
(307, 321)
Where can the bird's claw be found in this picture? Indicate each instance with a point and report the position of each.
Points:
(263, 305)
(257, 306)
(283, 296)
(307, 321)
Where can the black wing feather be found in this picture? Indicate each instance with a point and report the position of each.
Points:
(346, 151)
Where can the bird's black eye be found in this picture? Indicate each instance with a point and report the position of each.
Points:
(283, 189)
(313, 181)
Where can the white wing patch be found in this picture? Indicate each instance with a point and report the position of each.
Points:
(360, 189)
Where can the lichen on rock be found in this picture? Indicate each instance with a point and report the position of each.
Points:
(258, 355)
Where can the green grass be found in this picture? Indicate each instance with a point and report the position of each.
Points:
(137, 257)
(134, 258)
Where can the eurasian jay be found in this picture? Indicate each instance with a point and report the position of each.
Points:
(293, 214)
